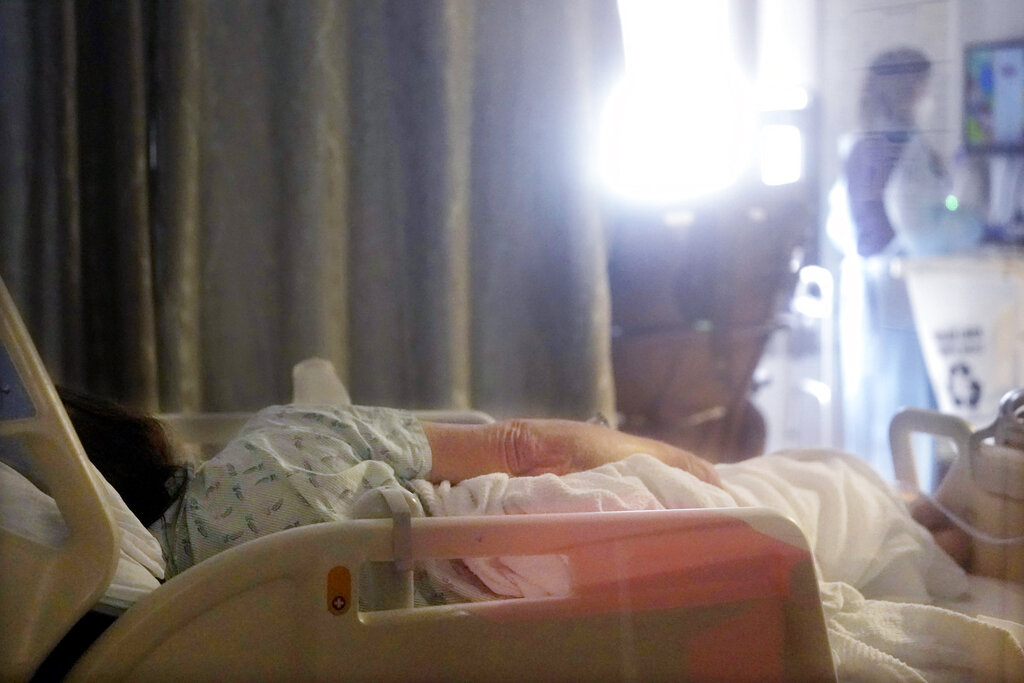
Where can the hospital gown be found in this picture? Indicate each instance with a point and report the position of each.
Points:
(290, 466)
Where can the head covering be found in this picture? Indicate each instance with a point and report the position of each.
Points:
(892, 87)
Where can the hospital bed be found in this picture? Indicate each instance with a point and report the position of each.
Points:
(711, 594)
(656, 595)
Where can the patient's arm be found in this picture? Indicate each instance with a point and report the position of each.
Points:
(530, 447)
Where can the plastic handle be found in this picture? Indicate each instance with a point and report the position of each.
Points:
(914, 420)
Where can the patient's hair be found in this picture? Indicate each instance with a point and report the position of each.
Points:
(128, 447)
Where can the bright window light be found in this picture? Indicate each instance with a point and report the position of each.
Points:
(782, 97)
(785, 49)
(680, 124)
(782, 154)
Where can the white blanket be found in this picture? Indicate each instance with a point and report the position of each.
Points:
(876, 566)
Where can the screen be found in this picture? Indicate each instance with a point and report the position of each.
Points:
(994, 97)
(14, 400)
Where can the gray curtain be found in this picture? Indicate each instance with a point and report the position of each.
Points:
(196, 195)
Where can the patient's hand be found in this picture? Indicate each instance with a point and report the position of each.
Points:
(952, 539)
(531, 447)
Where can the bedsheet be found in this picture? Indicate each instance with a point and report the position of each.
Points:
(877, 568)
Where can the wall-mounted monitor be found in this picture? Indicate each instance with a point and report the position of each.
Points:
(994, 97)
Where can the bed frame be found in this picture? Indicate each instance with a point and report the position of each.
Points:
(45, 590)
(682, 594)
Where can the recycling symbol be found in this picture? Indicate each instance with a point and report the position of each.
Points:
(964, 389)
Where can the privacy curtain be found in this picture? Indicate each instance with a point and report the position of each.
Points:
(196, 195)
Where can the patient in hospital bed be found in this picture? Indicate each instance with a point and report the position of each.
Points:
(296, 465)
(303, 464)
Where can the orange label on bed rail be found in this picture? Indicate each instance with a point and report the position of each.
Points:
(339, 590)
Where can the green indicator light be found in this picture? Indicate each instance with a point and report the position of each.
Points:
(951, 202)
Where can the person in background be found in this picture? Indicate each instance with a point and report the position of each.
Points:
(893, 202)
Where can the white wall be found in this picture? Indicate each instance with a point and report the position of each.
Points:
(983, 20)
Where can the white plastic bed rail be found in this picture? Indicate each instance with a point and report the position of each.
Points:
(663, 595)
(44, 590)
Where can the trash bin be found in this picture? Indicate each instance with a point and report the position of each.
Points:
(969, 314)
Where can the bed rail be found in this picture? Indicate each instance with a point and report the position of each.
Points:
(44, 590)
(656, 595)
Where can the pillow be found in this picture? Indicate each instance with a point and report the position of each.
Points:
(29, 512)
(137, 543)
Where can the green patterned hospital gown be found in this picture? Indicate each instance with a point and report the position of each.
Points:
(289, 466)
